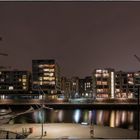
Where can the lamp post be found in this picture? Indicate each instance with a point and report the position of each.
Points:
(138, 113)
(42, 106)
(138, 102)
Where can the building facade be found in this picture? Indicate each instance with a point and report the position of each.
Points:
(110, 84)
(14, 81)
(125, 84)
(46, 77)
(75, 87)
(86, 87)
(66, 87)
(104, 83)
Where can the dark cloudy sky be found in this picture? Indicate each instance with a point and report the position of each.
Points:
(81, 36)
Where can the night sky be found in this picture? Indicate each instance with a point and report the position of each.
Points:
(81, 36)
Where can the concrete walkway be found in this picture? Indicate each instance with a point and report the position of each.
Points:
(69, 130)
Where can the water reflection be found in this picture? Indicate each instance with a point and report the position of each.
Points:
(112, 118)
(60, 115)
(77, 115)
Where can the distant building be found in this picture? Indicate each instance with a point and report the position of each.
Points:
(86, 87)
(14, 81)
(66, 86)
(136, 83)
(75, 87)
(104, 83)
(46, 75)
(124, 84)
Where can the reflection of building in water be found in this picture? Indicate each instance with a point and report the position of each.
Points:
(77, 115)
(90, 116)
(130, 116)
(105, 117)
(118, 118)
(60, 115)
(124, 117)
(115, 118)
(99, 118)
(86, 113)
(130, 119)
(112, 119)
(38, 116)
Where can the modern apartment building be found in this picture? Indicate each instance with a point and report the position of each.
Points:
(75, 87)
(124, 84)
(46, 77)
(104, 83)
(66, 86)
(86, 87)
(14, 81)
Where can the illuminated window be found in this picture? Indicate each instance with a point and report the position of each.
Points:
(52, 78)
(46, 78)
(19, 79)
(117, 90)
(52, 91)
(40, 66)
(97, 75)
(11, 87)
(45, 69)
(24, 80)
(40, 83)
(106, 75)
(45, 82)
(51, 70)
(98, 71)
(99, 83)
(52, 83)
(47, 74)
(24, 87)
(104, 83)
(130, 82)
(86, 94)
(23, 84)
(51, 74)
(74, 83)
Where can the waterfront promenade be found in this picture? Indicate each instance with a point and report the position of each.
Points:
(57, 105)
(71, 131)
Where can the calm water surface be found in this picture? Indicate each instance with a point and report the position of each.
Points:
(113, 118)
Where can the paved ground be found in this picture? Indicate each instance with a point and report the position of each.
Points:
(69, 130)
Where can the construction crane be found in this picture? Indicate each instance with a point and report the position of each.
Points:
(2, 54)
(138, 59)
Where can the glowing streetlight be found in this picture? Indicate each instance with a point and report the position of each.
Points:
(42, 106)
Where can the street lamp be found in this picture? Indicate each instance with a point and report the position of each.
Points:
(138, 59)
(42, 106)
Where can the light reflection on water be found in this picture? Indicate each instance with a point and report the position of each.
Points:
(112, 118)
(77, 115)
